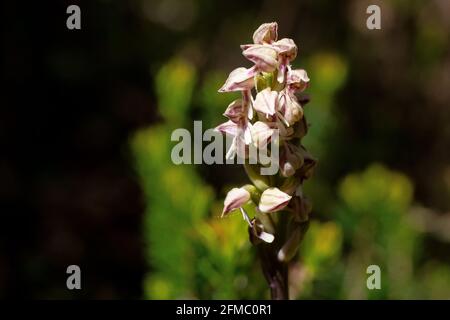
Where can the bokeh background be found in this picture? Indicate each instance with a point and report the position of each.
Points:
(85, 170)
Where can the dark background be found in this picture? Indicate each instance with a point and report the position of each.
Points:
(68, 190)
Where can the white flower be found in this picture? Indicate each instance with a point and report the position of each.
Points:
(261, 134)
(239, 112)
(266, 33)
(286, 48)
(240, 79)
(265, 57)
(266, 102)
(273, 199)
(235, 199)
(242, 136)
(235, 111)
(289, 107)
(297, 79)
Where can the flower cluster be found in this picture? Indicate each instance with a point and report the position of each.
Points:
(252, 123)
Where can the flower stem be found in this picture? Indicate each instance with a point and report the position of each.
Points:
(275, 272)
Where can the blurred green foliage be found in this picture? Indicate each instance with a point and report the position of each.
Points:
(194, 254)
(174, 85)
(177, 198)
(328, 73)
(367, 92)
(373, 216)
(372, 227)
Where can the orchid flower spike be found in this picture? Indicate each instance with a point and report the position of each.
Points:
(270, 113)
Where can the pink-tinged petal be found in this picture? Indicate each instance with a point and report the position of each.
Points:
(248, 133)
(247, 101)
(273, 199)
(232, 151)
(240, 79)
(235, 199)
(240, 145)
(297, 79)
(266, 101)
(263, 56)
(250, 112)
(246, 46)
(286, 48)
(281, 73)
(266, 33)
(235, 111)
(290, 108)
(228, 127)
(261, 133)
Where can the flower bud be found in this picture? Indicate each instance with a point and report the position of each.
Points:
(266, 102)
(266, 33)
(235, 111)
(261, 134)
(291, 159)
(297, 79)
(235, 199)
(290, 108)
(263, 56)
(286, 48)
(228, 127)
(289, 249)
(240, 79)
(273, 199)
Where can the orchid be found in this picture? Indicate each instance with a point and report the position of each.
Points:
(235, 199)
(273, 200)
(279, 208)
